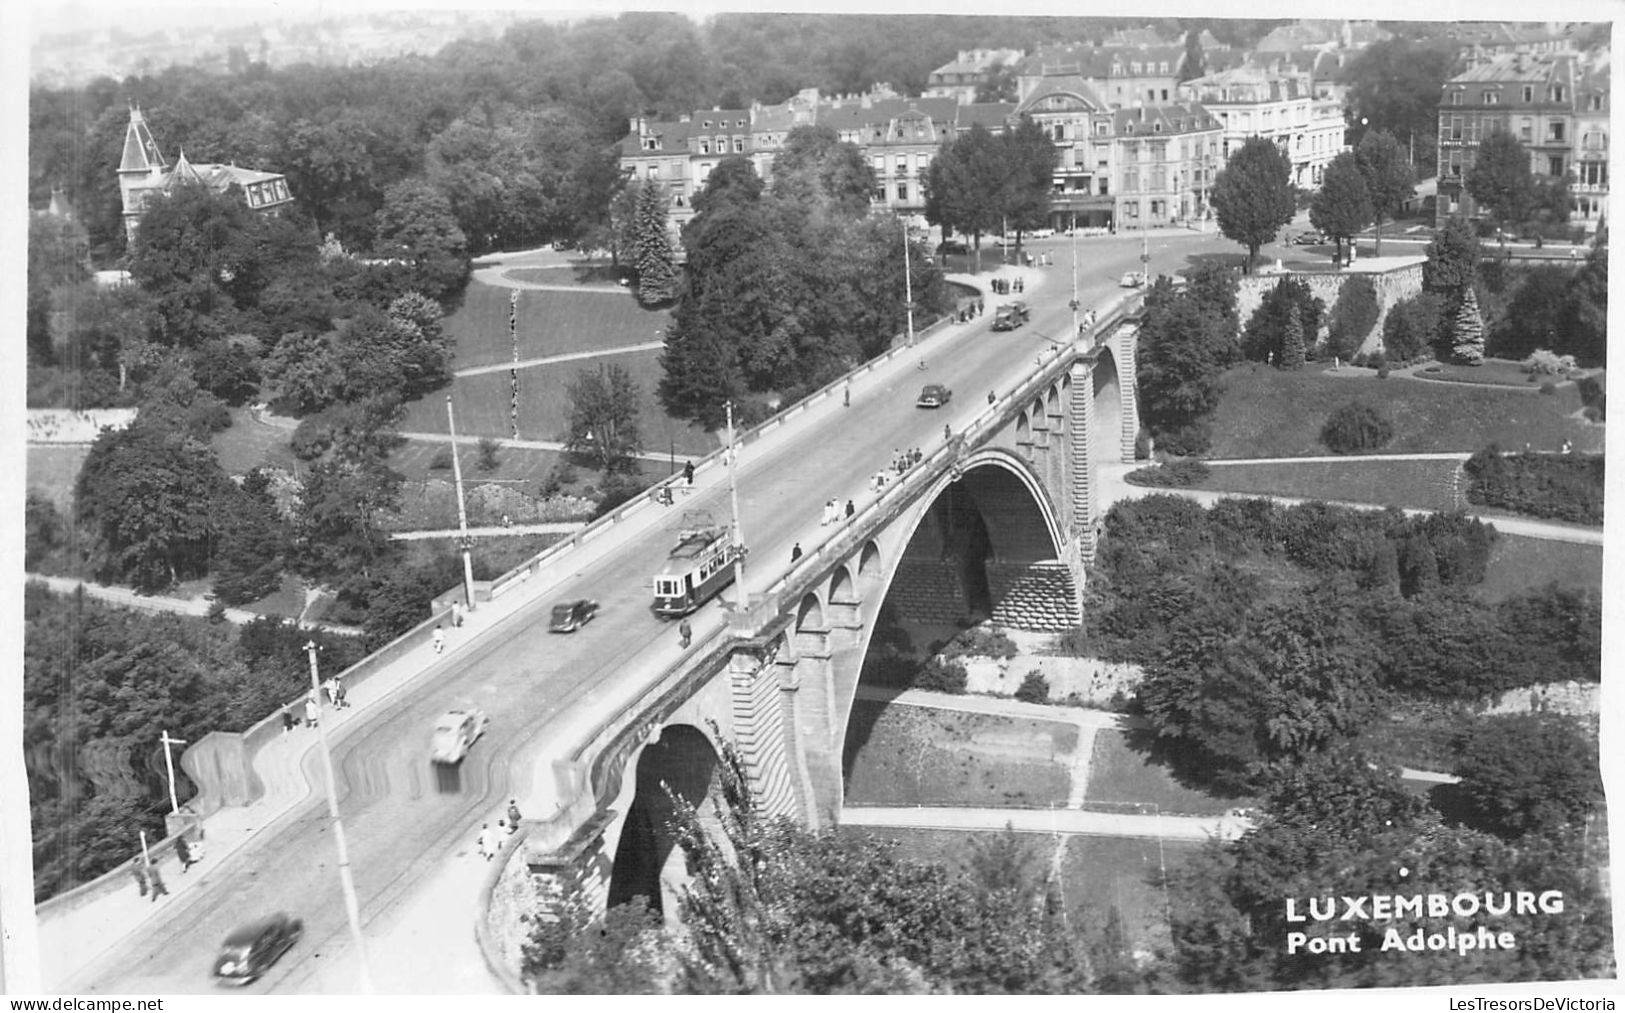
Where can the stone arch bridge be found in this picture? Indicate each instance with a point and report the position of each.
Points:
(998, 523)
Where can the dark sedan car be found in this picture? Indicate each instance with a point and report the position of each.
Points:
(251, 949)
(570, 616)
(934, 395)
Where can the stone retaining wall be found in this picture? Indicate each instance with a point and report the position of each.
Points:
(1392, 285)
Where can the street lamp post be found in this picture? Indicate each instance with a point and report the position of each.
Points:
(742, 600)
(908, 284)
(346, 882)
(462, 512)
(1074, 232)
(169, 766)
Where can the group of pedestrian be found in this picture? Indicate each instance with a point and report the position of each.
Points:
(833, 511)
(971, 310)
(188, 851)
(333, 689)
(490, 838)
(1005, 286)
(902, 460)
(148, 878)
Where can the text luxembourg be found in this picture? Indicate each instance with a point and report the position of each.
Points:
(1389, 907)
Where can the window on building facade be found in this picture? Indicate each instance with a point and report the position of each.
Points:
(1157, 208)
(1529, 93)
(1594, 173)
(652, 172)
(1554, 131)
(1526, 130)
(705, 146)
(902, 165)
(739, 145)
(1557, 93)
(1455, 98)
(880, 194)
(902, 191)
(1554, 165)
(1105, 188)
(1455, 128)
(1594, 103)
(650, 143)
(1492, 97)
(1165, 93)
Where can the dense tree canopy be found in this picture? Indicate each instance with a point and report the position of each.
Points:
(1342, 206)
(980, 182)
(1394, 85)
(1390, 179)
(1252, 195)
(1500, 180)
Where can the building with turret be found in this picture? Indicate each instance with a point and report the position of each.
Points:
(142, 173)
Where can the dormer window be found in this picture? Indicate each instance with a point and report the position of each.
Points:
(1529, 93)
(1455, 98)
(705, 146)
(706, 124)
(1557, 93)
(740, 124)
(651, 144)
(1492, 98)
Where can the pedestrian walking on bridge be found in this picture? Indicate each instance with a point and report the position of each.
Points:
(686, 632)
(158, 888)
(513, 815)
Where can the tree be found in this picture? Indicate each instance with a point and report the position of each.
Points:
(1500, 180)
(1390, 180)
(1292, 340)
(147, 493)
(998, 84)
(1215, 286)
(252, 543)
(604, 418)
(1253, 195)
(1265, 336)
(1394, 85)
(1193, 66)
(1452, 264)
(816, 166)
(303, 372)
(1029, 158)
(1352, 316)
(58, 258)
(416, 225)
(1468, 332)
(1182, 350)
(652, 257)
(43, 529)
(1529, 772)
(1342, 206)
(1034, 688)
(962, 185)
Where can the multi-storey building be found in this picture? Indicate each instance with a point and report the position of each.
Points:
(1142, 166)
(899, 137)
(1118, 76)
(1281, 106)
(143, 173)
(1589, 183)
(968, 72)
(1532, 97)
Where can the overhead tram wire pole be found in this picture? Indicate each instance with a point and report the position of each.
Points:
(742, 600)
(908, 283)
(462, 511)
(169, 765)
(346, 882)
(1074, 231)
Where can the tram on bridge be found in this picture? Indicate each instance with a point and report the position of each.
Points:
(698, 566)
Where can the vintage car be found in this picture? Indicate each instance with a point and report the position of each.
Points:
(569, 616)
(933, 395)
(454, 733)
(251, 949)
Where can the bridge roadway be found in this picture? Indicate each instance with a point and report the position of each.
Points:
(403, 823)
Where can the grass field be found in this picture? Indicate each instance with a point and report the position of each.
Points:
(52, 471)
(1274, 413)
(1522, 564)
(1118, 773)
(550, 323)
(1424, 485)
(1500, 372)
(902, 755)
(248, 444)
(599, 275)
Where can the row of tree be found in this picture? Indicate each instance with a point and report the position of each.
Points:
(99, 686)
(787, 286)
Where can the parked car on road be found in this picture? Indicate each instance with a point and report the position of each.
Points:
(454, 733)
(1310, 238)
(569, 616)
(1132, 279)
(1042, 233)
(933, 395)
(250, 950)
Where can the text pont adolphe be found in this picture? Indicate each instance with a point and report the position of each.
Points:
(1472, 908)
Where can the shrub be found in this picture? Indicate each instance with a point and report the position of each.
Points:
(1352, 317)
(981, 642)
(1593, 394)
(1175, 475)
(1411, 327)
(1544, 361)
(1548, 388)
(1186, 441)
(942, 676)
(312, 438)
(1034, 688)
(1593, 413)
(1142, 444)
(441, 460)
(1382, 371)
(1356, 428)
(1566, 487)
(487, 460)
(1266, 331)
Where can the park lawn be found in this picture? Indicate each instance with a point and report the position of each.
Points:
(1126, 873)
(484, 406)
(247, 444)
(550, 323)
(1525, 564)
(901, 755)
(1266, 412)
(54, 470)
(1423, 485)
(600, 275)
(1119, 774)
(1500, 372)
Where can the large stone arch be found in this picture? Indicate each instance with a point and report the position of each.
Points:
(1108, 419)
(647, 863)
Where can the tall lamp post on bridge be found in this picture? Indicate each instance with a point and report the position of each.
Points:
(352, 909)
(908, 283)
(742, 600)
(462, 514)
(1074, 233)
(169, 766)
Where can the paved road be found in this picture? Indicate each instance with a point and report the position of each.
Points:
(1049, 821)
(406, 824)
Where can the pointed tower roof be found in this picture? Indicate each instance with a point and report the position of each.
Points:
(184, 172)
(140, 150)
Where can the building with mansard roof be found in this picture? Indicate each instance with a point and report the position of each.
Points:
(1278, 105)
(967, 72)
(143, 173)
(1119, 76)
(1543, 100)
